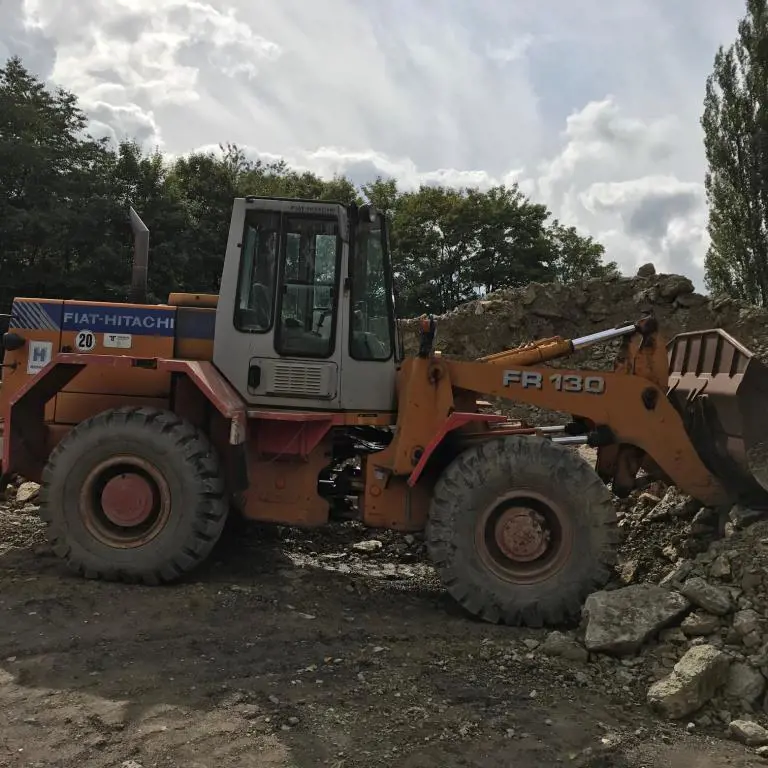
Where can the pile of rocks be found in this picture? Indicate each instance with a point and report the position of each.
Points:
(508, 318)
(687, 615)
(20, 524)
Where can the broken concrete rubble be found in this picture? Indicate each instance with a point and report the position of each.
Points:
(711, 598)
(620, 621)
(746, 622)
(749, 733)
(27, 491)
(745, 683)
(674, 504)
(692, 683)
(700, 624)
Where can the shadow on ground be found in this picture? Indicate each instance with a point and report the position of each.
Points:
(290, 649)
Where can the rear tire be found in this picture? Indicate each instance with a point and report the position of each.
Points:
(135, 495)
(521, 531)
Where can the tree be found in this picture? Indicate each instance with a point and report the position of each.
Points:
(449, 246)
(64, 227)
(735, 123)
(575, 257)
(54, 192)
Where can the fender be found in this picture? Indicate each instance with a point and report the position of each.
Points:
(456, 420)
(24, 445)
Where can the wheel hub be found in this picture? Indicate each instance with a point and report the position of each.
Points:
(521, 534)
(127, 499)
(523, 537)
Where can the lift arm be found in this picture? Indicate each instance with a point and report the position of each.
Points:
(624, 407)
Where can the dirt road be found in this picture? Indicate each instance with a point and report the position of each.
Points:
(295, 650)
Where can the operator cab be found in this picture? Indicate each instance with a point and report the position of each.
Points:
(305, 315)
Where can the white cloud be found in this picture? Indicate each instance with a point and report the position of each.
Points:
(593, 108)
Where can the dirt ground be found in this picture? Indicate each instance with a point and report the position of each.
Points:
(294, 649)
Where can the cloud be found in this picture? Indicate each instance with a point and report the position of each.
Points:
(612, 177)
(146, 54)
(21, 36)
(608, 178)
(123, 123)
(593, 108)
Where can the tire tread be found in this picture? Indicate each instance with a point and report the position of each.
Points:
(450, 551)
(209, 514)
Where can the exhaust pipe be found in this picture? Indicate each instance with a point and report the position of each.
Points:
(140, 259)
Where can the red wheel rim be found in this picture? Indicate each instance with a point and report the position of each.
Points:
(125, 501)
(524, 537)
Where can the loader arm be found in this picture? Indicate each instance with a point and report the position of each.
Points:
(635, 410)
(627, 410)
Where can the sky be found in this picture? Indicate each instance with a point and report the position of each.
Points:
(592, 107)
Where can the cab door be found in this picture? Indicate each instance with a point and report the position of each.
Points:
(277, 319)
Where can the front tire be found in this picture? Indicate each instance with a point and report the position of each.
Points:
(521, 531)
(135, 495)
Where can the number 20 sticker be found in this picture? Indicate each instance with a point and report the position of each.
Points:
(85, 341)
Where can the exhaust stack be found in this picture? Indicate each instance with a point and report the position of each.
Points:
(140, 259)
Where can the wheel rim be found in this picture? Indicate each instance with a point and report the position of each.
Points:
(524, 537)
(125, 501)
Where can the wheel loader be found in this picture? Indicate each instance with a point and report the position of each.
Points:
(286, 398)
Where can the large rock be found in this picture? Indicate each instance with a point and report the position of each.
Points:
(700, 624)
(620, 621)
(744, 683)
(27, 492)
(693, 682)
(671, 286)
(646, 270)
(749, 733)
(674, 504)
(746, 622)
(713, 599)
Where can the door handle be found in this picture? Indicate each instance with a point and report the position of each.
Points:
(254, 377)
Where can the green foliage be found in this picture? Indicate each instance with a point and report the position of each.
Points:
(735, 123)
(64, 228)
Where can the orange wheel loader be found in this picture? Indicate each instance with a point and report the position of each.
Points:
(288, 392)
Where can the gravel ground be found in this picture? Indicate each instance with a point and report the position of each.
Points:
(295, 649)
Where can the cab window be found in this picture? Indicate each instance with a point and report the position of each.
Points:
(307, 297)
(256, 282)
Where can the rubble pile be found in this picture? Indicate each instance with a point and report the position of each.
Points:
(508, 318)
(20, 524)
(686, 616)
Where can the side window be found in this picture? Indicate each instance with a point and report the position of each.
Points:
(256, 282)
(371, 327)
(308, 297)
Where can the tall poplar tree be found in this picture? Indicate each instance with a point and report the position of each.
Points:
(735, 123)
